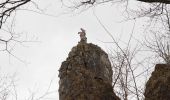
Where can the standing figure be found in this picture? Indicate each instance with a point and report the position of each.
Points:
(83, 38)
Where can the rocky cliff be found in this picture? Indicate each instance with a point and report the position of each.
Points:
(86, 75)
(158, 86)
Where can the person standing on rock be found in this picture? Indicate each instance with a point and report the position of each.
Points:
(82, 36)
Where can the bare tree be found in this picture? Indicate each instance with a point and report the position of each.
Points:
(7, 87)
(9, 6)
(158, 39)
(48, 94)
(87, 3)
(159, 44)
(127, 67)
(9, 38)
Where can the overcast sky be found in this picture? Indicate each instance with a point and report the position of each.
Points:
(55, 37)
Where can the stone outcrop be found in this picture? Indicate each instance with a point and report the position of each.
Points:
(86, 75)
(158, 85)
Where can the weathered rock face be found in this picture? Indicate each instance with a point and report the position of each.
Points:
(158, 86)
(86, 75)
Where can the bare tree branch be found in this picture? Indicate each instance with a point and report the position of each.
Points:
(156, 1)
(9, 6)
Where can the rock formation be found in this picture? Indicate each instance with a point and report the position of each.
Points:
(158, 86)
(86, 75)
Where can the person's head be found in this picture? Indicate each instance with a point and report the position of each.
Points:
(82, 30)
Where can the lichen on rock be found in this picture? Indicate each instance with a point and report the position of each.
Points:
(86, 75)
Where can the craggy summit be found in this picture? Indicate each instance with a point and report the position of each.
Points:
(86, 74)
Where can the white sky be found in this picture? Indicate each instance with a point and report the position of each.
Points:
(57, 35)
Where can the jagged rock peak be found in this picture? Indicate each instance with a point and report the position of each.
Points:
(86, 75)
(158, 85)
